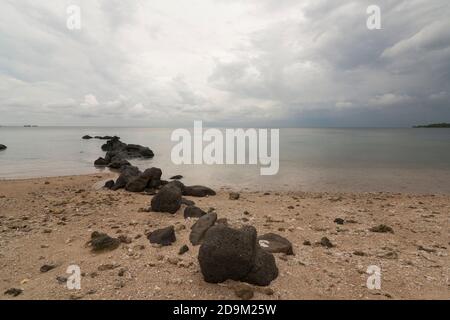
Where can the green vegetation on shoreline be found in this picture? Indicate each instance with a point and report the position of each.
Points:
(434, 125)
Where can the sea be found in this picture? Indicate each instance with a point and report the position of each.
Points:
(310, 159)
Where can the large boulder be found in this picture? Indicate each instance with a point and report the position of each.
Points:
(2, 147)
(200, 227)
(275, 243)
(228, 253)
(164, 237)
(197, 191)
(168, 199)
(103, 242)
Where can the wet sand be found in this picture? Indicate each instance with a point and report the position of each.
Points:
(47, 221)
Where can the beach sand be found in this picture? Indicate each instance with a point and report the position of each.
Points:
(49, 220)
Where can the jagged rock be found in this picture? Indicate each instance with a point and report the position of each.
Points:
(168, 199)
(165, 236)
(109, 184)
(275, 243)
(228, 253)
(198, 191)
(102, 242)
(100, 162)
(202, 225)
(193, 212)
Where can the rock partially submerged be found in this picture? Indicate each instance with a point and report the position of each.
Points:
(164, 237)
(228, 253)
(275, 243)
(2, 147)
(86, 137)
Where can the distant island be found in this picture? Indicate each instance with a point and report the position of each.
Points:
(434, 125)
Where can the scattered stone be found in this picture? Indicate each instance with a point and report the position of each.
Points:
(382, 228)
(429, 250)
(47, 267)
(164, 237)
(193, 212)
(339, 221)
(325, 242)
(168, 199)
(306, 243)
(228, 253)
(124, 239)
(177, 177)
(274, 243)
(61, 279)
(202, 225)
(86, 137)
(13, 292)
(359, 253)
(234, 196)
(244, 291)
(183, 250)
(102, 242)
(107, 266)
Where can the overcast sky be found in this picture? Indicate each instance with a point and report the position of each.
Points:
(278, 63)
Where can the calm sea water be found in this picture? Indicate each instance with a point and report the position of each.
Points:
(398, 160)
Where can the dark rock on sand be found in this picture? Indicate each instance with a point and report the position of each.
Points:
(127, 174)
(47, 267)
(102, 242)
(325, 242)
(168, 199)
(144, 180)
(177, 177)
(339, 221)
(198, 191)
(86, 137)
(13, 292)
(165, 236)
(119, 163)
(202, 225)
(234, 196)
(243, 291)
(187, 202)
(228, 253)
(109, 184)
(183, 250)
(264, 269)
(193, 212)
(382, 228)
(100, 162)
(275, 243)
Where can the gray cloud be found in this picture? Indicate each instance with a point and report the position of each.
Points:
(259, 63)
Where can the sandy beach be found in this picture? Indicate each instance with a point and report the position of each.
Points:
(48, 221)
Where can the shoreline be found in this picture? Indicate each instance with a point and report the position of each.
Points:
(50, 223)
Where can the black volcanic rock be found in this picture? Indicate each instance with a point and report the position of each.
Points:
(177, 177)
(127, 174)
(100, 162)
(198, 230)
(168, 199)
(103, 242)
(228, 253)
(2, 147)
(109, 184)
(193, 212)
(198, 191)
(86, 137)
(165, 236)
(149, 178)
(275, 243)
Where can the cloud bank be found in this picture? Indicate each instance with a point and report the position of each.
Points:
(233, 63)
